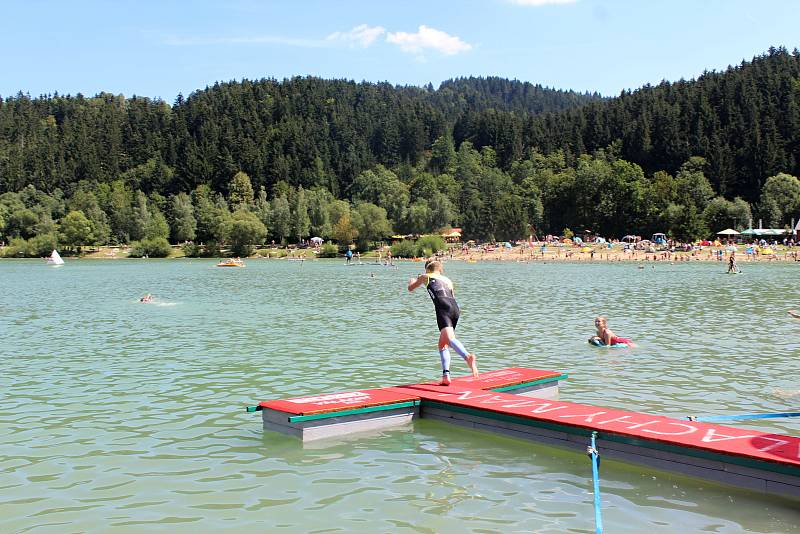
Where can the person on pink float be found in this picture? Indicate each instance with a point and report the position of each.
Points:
(606, 336)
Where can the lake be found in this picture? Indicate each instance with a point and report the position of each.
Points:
(120, 416)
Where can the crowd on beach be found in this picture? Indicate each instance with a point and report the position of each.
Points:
(561, 249)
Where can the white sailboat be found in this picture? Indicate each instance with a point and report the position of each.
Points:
(55, 258)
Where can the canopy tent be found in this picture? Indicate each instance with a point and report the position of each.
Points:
(728, 231)
(764, 231)
(452, 236)
(316, 240)
(659, 238)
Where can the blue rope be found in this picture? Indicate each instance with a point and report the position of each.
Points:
(595, 456)
(715, 418)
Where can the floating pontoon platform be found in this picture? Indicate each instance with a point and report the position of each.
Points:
(759, 461)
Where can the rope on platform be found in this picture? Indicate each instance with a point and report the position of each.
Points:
(591, 450)
(717, 418)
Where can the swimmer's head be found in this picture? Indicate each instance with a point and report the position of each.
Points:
(433, 266)
(600, 321)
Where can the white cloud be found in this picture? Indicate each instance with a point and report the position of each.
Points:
(428, 38)
(361, 35)
(537, 3)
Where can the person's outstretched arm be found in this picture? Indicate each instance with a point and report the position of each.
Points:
(415, 283)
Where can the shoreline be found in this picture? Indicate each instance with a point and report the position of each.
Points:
(517, 254)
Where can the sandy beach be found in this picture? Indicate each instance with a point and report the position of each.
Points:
(601, 253)
(551, 253)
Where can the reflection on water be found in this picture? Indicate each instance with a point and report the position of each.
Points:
(118, 415)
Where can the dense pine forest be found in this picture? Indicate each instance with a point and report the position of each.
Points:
(242, 163)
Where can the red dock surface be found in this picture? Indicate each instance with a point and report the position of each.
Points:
(337, 402)
(749, 458)
(666, 430)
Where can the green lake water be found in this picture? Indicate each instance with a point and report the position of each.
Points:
(124, 417)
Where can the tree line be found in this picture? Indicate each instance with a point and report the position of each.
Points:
(244, 162)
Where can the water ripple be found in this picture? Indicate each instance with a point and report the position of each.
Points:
(122, 416)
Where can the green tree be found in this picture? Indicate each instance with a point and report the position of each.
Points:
(281, 218)
(319, 201)
(21, 223)
(512, 222)
(85, 201)
(76, 230)
(371, 224)
(780, 199)
(156, 226)
(262, 207)
(418, 217)
(344, 231)
(184, 224)
(443, 155)
(383, 188)
(240, 191)
(242, 231)
(722, 213)
(206, 214)
(42, 244)
(153, 175)
(692, 186)
(428, 245)
(118, 205)
(301, 222)
(157, 247)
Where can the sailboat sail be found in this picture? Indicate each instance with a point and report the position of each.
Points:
(55, 258)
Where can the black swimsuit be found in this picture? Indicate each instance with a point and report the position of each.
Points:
(447, 310)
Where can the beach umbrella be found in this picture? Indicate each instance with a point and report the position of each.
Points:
(316, 240)
(728, 231)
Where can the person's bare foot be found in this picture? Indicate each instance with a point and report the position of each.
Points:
(445, 379)
(472, 363)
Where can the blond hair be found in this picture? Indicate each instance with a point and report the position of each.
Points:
(433, 265)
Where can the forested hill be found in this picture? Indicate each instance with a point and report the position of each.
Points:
(305, 130)
(477, 94)
(744, 121)
(356, 161)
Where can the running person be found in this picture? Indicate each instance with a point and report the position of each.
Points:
(440, 289)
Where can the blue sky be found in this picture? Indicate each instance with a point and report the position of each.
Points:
(162, 48)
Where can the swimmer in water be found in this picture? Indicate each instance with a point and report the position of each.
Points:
(146, 299)
(794, 313)
(440, 289)
(606, 336)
